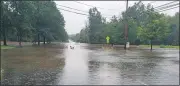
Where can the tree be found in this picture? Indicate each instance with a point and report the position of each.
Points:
(21, 18)
(50, 17)
(144, 24)
(156, 29)
(6, 20)
(173, 38)
(30, 20)
(95, 26)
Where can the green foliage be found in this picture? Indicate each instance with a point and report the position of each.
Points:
(145, 26)
(137, 42)
(173, 37)
(75, 37)
(162, 46)
(6, 47)
(25, 20)
(95, 26)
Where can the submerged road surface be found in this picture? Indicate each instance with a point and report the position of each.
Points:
(57, 64)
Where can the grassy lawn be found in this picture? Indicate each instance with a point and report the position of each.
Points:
(159, 46)
(6, 47)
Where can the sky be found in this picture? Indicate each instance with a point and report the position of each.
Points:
(75, 22)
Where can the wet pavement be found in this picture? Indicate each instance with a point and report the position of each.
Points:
(56, 64)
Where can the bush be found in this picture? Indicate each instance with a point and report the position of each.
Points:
(137, 42)
(162, 46)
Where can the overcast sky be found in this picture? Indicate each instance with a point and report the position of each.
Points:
(75, 22)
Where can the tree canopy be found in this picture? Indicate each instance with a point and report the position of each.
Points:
(144, 24)
(32, 21)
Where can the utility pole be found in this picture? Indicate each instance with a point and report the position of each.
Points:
(126, 27)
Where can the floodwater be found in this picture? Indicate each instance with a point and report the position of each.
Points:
(57, 64)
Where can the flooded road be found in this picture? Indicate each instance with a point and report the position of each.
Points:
(88, 65)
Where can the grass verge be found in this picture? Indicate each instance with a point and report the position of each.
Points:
(158, 46)
(7, 47)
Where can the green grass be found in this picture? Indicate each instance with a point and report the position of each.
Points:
(158, 46)
(6, 47)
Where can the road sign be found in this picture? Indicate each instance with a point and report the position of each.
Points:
(107, 39)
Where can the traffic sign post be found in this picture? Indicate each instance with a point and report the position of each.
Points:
(107, 39)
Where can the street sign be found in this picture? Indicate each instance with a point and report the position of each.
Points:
(107, 39)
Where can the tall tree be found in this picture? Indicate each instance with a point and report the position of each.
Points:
(173, 38)
(29, 20)
(21, 18)
(156, 29)
(95, 26)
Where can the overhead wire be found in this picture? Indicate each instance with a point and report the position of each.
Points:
(157, 10)
(94, 6)
(71, 8)
(165, 4)
(79, 10)
(168, 9)
(73, 12)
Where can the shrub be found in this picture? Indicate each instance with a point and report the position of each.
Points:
(162, 46)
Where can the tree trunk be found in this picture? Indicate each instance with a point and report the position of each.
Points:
(17, 37)
(20, 41)
(35, 39)
(20, 38)
(38, 39)
(125, 45)
(4, 37)
(44, 39)
(3, 29)
(151, 45)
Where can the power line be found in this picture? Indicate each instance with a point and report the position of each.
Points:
(164, 9)
(71, 8)
(165, 4)
(73, 12)
(94, 6)
(168, 9)
(161, 7)
(106, 17)
(80, 10)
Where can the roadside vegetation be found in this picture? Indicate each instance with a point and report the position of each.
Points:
(159, 46)
(32, 21)
(145, 27)
(7, 47)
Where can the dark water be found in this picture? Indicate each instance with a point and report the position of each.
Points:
(89, 64)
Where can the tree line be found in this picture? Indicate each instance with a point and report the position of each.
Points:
(145, 26)
(32, 21)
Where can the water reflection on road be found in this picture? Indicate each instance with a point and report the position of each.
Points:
(89, 64)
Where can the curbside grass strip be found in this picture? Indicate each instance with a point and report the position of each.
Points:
(7, 47)
(158, 46)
